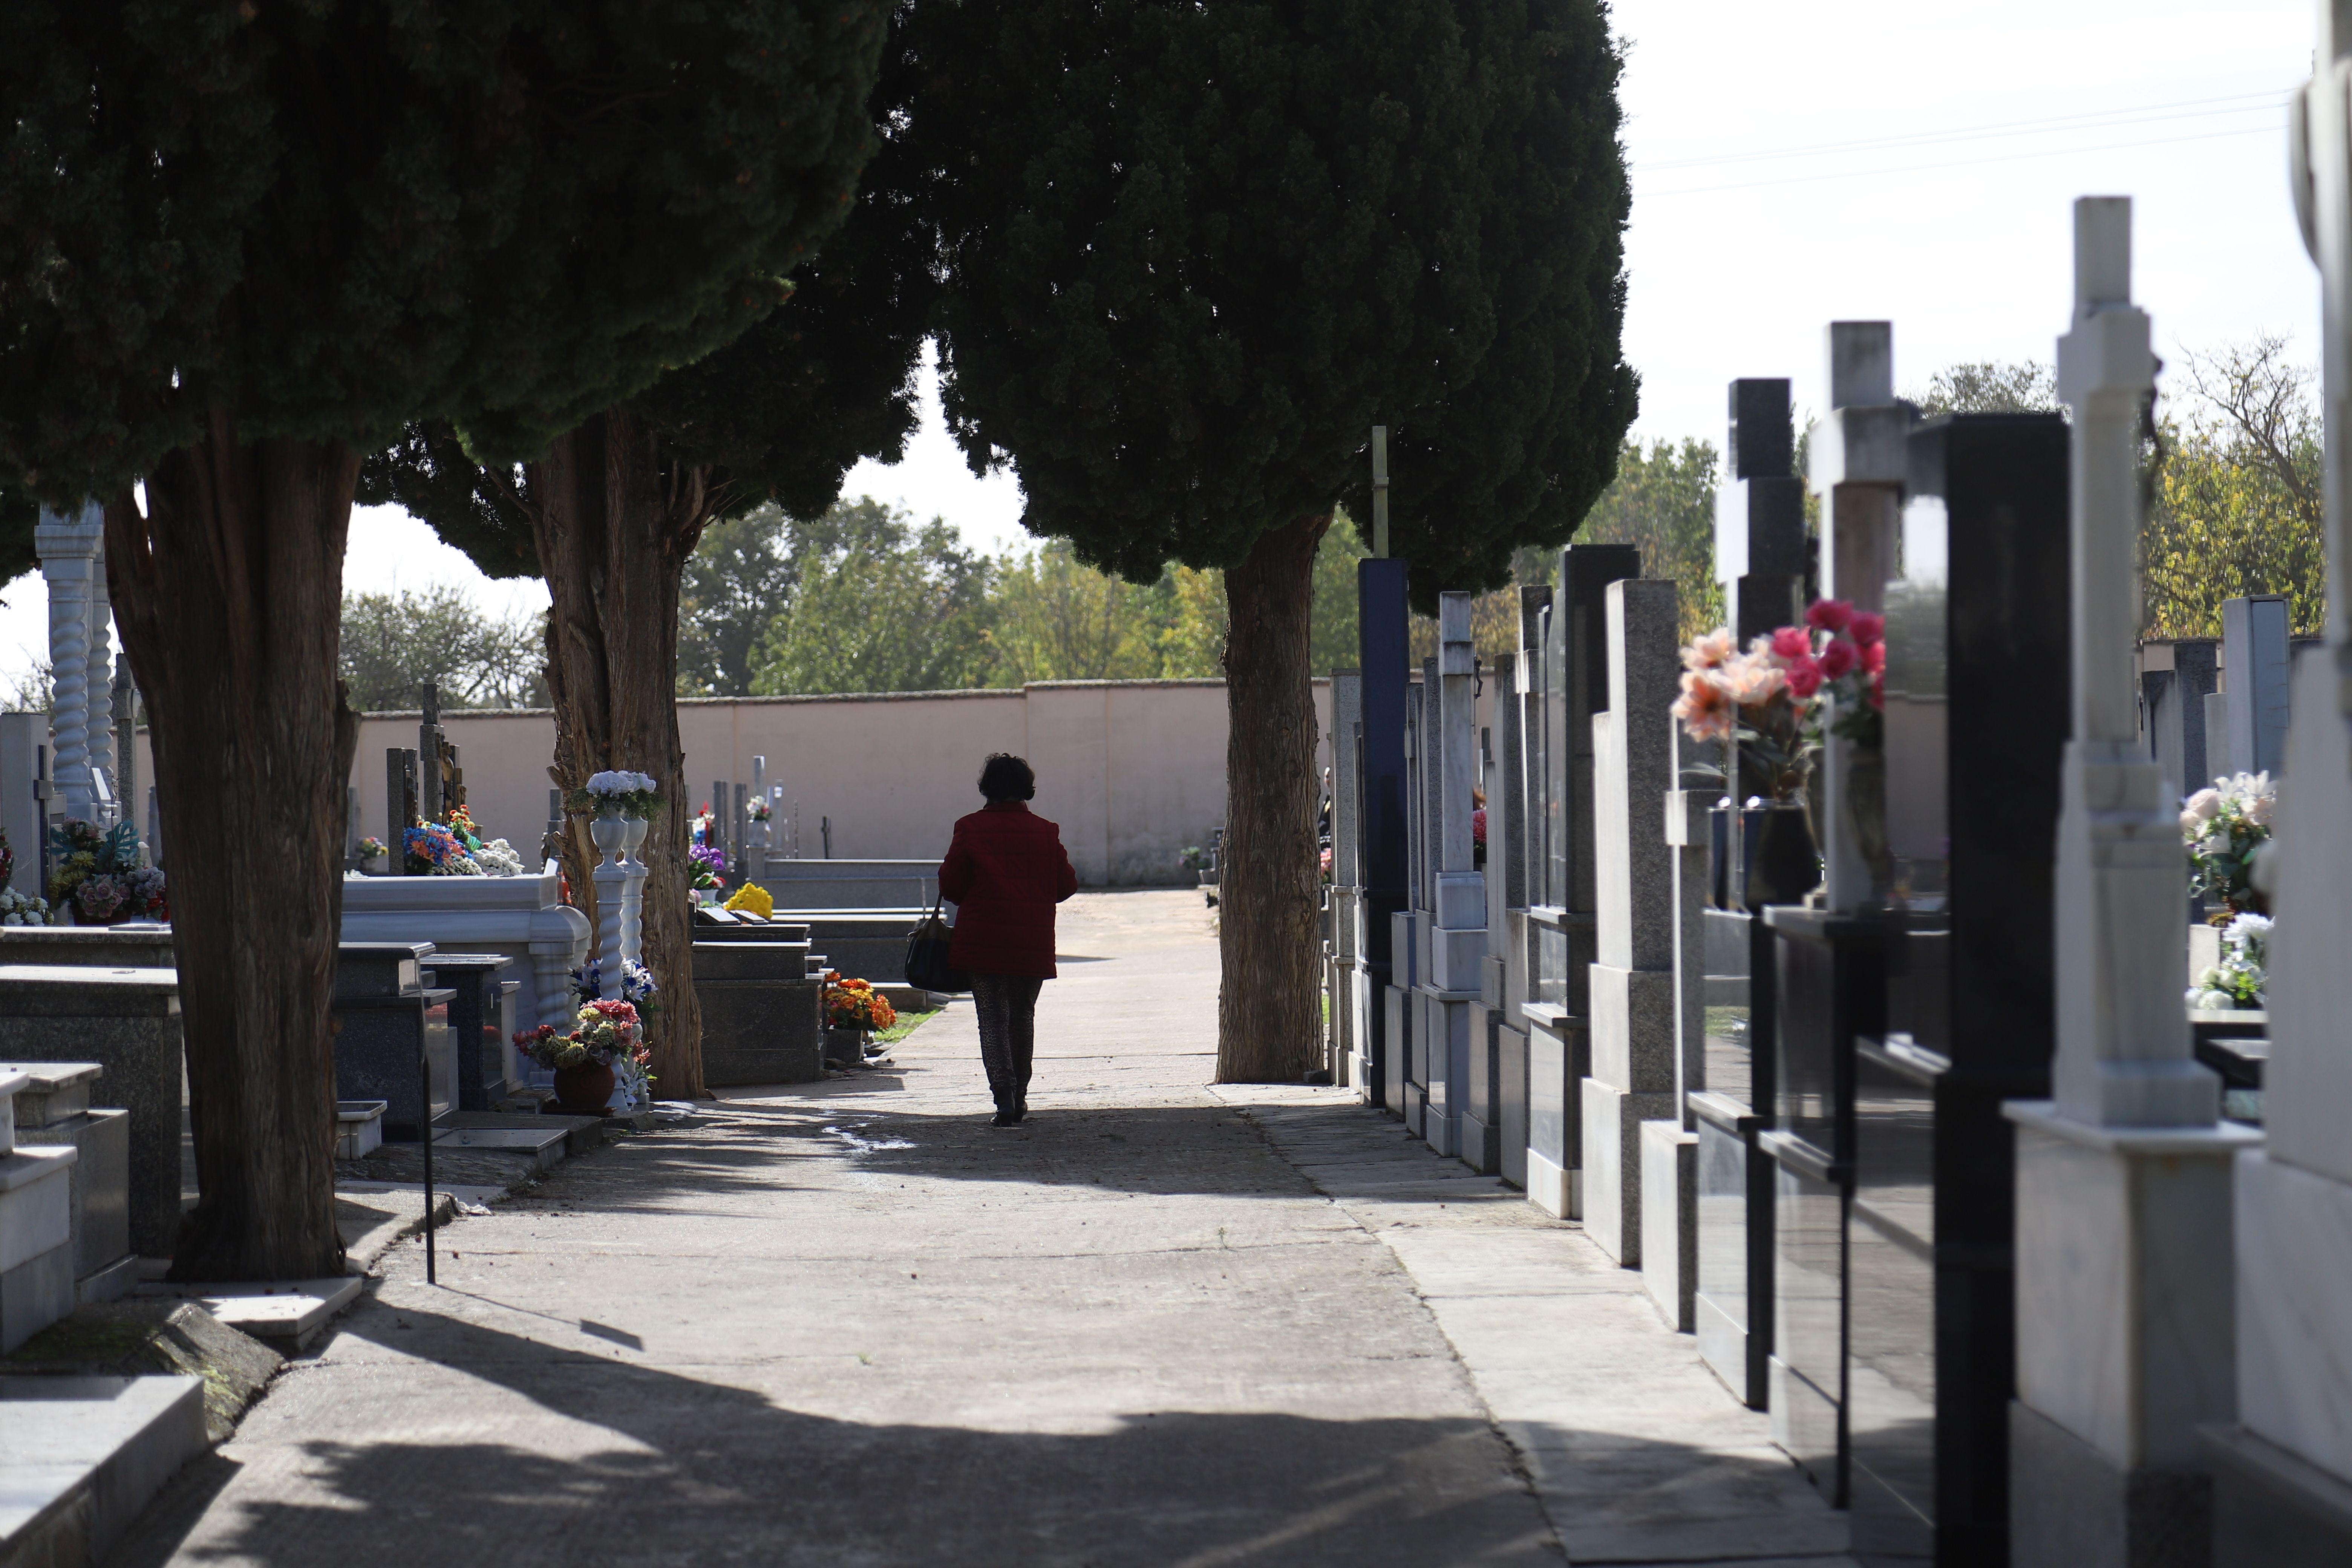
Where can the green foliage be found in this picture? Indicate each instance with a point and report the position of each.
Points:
(332, 218)
(1663, 500)
(741, 573)
(2238, 506)
(1333, 641)
(1055, 619)
(880, 606)
(1194, 252)
(393, 643)
(1990, 386)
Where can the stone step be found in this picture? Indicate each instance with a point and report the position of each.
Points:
(542, 1146)
(284, 1314)
(581, 1133)
(79, 1457)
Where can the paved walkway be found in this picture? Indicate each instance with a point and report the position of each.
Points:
(1161, 1324)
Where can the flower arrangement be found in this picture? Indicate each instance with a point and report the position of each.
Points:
(2240, 979)
(463, 829)
(617, 790)
(1777, 697)
(752, 898)
(370, 848)
(2224, 829)
(706, 866)
(604, 1033)
(99, 876)
(498, 859)
(637, 984)
(8, 860)
(759, 810)
(430, 849)
(25, 909)
(855, 1005)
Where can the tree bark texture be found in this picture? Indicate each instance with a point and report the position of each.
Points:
(228, 592)
(1269, 1015)
(615, 523)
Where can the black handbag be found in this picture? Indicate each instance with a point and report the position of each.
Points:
(928, 968)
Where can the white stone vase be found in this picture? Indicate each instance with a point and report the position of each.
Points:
(637, 829)
(610, 832)
(375, 865)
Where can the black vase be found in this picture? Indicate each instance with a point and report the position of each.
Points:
(1783, 864)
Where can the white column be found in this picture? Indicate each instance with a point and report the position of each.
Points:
(2124, 1301)
(1857, 461)
(68, 548)
(99, 677)
(2293, 1200)
(633, 899)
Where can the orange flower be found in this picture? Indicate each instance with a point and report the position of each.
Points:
(1706, 706)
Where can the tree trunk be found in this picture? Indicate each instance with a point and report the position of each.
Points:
(615, 525)
(1268, 1014)
(228, 592)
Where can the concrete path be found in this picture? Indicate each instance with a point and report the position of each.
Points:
(852, 1324)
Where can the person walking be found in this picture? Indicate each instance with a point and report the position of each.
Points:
(1004, 872)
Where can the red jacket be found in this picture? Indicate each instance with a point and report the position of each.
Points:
(1004, 873)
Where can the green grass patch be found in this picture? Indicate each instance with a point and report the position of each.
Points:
(907, 1025)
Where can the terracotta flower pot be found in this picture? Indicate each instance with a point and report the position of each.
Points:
(584, 1090)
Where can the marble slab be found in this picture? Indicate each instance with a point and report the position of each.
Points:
(2294, 1309)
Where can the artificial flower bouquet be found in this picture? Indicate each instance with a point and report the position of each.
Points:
(617, 790)
(636, 981)
(25, 909)
(1779, 697)
(8, 860)
(603, 1033)
(2224, 830)
(373, 848)
(706, 866)
(2239, 980)
(759, 810)
(855, 1005)
(751, 898)
(431, 850)
(98, 877)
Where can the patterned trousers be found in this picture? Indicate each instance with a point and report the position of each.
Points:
(1007, 1006)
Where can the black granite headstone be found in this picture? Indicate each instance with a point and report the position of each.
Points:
(482, 1021)
(1976, 716)
(387, 1022)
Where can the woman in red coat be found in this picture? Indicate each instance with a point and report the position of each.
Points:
(1004, 873)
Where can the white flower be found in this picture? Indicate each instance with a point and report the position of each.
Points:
(497, 858)
(2212, 1001)
(2248, 924)
(2202, 805)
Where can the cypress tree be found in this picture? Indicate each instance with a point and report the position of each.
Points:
(243, 242)
(1193, 252)
(611, 511)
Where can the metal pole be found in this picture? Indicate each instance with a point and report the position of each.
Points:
(1380, 492)
(424, 1116)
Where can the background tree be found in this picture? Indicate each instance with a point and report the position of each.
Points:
(391, 644)
(615, 508)
(239, 245)
(1193, 253)
(1990, 386)
(1054, 618)
(880, 606)
(739, 578)
(1663, 500)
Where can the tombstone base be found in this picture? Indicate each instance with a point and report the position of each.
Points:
(2294, 1335)
(1670, 1221)
(2273, 1509)
(1733, 1298)
(1612, 1165)
(2072, 1507)
(1557, 1056)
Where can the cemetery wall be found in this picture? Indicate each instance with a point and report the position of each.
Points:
(1134, 771)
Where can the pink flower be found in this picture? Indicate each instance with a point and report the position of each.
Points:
(1867, 627)
(1705, 707)
(1792, 643)
(1873, 658)
(1829, 615)
(1753, 679)
(1477, 828)
(1804, 677)
(1838, 658)
(1712, 651)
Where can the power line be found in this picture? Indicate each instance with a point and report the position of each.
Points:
(2277, 130)
(2100, 120)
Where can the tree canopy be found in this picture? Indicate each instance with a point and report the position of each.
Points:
(1194, 253)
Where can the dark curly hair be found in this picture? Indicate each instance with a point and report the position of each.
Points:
(1007, 778)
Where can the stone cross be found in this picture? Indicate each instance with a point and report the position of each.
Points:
(1759, 515)
(1857, 460)
(1633, 974)
(2294, 1199)
(2123, 1182)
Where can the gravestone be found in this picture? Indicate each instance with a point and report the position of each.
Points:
(1452, 1011)
(481, 1025)
(1347, 827)
(1858, 459)
(1521, 882)
(387, 1023)
(1632, 988)
(2123, 1179)
(1759, 515)
(1497, 1110)
(1670, 1144)
(126, 1019)
(53, 1110)
(2258, 667)
(1421, 742)
(36, 1243)
(2285, 1462)
(1382, 636)
(762, 1015)
(1976, 648)
(1576, 686)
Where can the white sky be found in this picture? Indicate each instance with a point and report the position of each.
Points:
(1957, 137)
